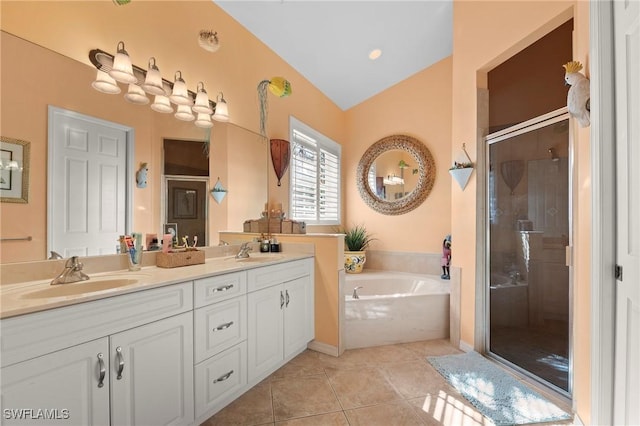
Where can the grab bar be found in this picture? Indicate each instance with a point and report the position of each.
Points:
(29, 238)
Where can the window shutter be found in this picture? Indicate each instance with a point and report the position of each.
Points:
(315, 179)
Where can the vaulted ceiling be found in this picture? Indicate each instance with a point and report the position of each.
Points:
(329, 42)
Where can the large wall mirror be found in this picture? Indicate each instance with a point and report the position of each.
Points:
(396, 174)
(239, 157)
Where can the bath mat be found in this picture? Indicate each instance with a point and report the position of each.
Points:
(494, 392)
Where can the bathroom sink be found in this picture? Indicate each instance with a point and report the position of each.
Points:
(82, 287)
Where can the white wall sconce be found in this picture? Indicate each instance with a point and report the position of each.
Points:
(105, 83)
(136, 95)
(142, 82)
(122, 70)
(202, 101)
(180, 96)
(153, 81)
(184, 113)
(222, 110)
(204, 121)
(162, 104)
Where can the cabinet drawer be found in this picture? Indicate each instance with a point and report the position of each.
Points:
(220, 326)
(277, 274)
(220, 379)
(220, 287)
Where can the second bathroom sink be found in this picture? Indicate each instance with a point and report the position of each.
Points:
(83, 287)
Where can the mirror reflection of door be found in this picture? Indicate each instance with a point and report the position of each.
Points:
(88, 194)
(186, 170)
(187, 208)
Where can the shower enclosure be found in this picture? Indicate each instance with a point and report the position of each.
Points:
(528, 280)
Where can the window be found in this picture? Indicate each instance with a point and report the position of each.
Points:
(315, 176)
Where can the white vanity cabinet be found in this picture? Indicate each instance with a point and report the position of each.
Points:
(171, 355)
(220, 332)
(280, 320)
(68, 384)
(126, 360)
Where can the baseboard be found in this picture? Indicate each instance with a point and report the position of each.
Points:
(323, 348)
(464, 346)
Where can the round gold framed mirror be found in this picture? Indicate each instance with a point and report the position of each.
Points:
(395, 174)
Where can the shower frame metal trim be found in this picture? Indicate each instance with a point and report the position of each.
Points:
(536, 123)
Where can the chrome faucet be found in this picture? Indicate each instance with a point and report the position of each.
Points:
(355, 293)
(71, 273)
(515, 276)
(245, 248)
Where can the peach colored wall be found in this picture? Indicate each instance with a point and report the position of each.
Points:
(419, 106)
(74, 28)
(503, 29)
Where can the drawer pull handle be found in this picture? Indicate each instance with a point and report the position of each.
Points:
(223, 377)
(103, 371)
(223, 288)
(120, 362)
(281, 300)
(287, 305)
(223, 326)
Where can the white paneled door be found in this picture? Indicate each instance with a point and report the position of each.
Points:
(627, 98)
(88, 205)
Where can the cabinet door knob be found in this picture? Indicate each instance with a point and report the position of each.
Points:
(281, 300)
(120, 362)
(223, 326)
(103, 371)
(287, 291)
(223, 377)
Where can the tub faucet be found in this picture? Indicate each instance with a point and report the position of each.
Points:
(245, 248)
(355, 292)
(71, 273)
(515, 276)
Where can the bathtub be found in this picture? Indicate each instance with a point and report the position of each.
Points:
(394, 307)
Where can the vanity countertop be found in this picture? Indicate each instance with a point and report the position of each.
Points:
(33, 296)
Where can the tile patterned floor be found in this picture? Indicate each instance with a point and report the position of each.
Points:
(386, 385)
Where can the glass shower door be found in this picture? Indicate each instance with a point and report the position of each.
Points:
(529, 230)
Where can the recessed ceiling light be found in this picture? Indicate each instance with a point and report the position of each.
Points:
(375, 54)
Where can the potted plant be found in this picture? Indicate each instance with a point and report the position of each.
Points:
(356, 241)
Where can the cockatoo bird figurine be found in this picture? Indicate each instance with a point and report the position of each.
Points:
(578, 96)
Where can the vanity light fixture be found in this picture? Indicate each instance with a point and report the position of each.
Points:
(153, 81)
(166, 92)
(122, 69)
(136, 95)
(202, 101)
(162, 104)
(222, 110)
(184, 113)
(393, 180)
(105, 83)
